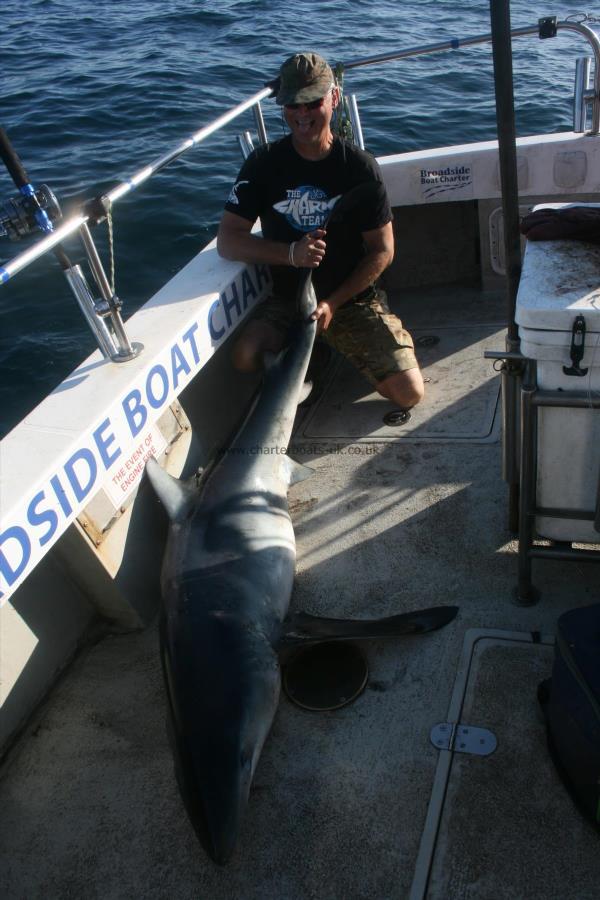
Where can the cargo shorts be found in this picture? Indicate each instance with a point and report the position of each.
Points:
(363, 330)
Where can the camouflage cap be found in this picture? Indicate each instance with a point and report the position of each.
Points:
(302, 78)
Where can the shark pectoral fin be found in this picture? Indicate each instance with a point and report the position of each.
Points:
(305, 391)
(270, 358)
(175, 495)
(302, 628)
(295, 471)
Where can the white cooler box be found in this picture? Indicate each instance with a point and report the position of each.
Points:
(560, 281)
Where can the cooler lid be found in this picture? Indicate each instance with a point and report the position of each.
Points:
(559, 280)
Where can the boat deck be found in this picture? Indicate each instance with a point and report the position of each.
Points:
(357, 802)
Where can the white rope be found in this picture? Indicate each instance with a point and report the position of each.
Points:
(111, 249)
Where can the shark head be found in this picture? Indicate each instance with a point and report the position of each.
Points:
(222, 703)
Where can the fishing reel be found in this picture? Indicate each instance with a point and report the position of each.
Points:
(19, 215)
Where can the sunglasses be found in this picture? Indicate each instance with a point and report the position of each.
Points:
(314, 104)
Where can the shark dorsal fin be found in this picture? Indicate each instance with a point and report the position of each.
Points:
(294, 471)
(175, 495)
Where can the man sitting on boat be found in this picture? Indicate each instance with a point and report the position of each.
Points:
(293, 184)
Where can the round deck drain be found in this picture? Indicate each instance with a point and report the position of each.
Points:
(325, 676)
(397, 417)
(427, 340)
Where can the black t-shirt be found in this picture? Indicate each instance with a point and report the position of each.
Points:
(292, 196)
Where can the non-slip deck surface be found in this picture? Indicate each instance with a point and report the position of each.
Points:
(89, 803)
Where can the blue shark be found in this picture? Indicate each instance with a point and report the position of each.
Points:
(227, 580)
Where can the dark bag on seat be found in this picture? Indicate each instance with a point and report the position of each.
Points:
(571, 703)
(579, 223)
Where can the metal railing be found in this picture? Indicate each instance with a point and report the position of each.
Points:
(74, 224)
(118, 346)
(583, 96)
(103, 315)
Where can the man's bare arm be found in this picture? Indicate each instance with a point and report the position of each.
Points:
(380, 253)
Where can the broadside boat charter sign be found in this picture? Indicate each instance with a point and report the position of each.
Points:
(112, 454)
(445, 181)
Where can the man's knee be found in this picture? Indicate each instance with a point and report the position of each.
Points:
(405, 389)
(245, 356)
(256, 339)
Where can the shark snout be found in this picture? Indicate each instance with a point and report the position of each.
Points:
(215, 789)
(219, 733)
(223, 821)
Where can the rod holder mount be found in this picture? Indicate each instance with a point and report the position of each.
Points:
(107, 308)
(246, 143)
(582, 93)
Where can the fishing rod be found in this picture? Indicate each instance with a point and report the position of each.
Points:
(33, 210)
(96, 209)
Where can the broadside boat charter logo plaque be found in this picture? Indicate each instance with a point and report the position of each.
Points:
(444, 182)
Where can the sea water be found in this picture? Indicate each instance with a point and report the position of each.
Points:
(93, 90)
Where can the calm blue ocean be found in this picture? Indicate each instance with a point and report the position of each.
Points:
(93, 90)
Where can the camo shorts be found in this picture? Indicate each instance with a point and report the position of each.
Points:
(363, 330)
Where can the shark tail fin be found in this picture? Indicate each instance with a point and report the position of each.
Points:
(175, 495)
(295, 471)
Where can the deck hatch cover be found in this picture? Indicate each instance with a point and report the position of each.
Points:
(463, 738)
(460, 404)
(486, 823)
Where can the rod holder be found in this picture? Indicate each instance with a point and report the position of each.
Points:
(260, 124)
(355, 121)
(246, 143)
(581, 93)
(107, 309)
(81, 291)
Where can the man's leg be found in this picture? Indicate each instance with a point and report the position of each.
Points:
(257, 338)
(405, 389)
(265, 332)
(373, 339)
